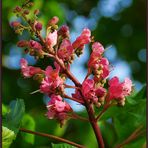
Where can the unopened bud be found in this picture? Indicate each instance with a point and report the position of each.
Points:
(121, 102)
(53, 21)
(31, 4)
(15, 24)
(38, 77)
(18, 9)
(38, 26)
(26, 12)
(22, 43)
(64, 31)
(36, 12)
(98, 104)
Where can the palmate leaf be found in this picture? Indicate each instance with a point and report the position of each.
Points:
(14, 116)
(11, 121)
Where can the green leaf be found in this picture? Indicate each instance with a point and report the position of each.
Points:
(7, 137)
(13, 118)
(5, 109)
(29, 123)
(62, 145)
(110, 137)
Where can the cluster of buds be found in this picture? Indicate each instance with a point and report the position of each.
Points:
(57, 45)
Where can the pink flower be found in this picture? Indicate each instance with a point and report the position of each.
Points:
(66, 50)
(119, 90)
(83, 39)
(57, 108)
(96, 55)
(97, 48)
(22, 43)
(35, 45)
(28, 71)
(51, 39)
(15, 24)
(52, 81)
(127, 86)
(88, 90)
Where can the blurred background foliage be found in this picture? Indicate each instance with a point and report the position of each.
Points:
(120, 23)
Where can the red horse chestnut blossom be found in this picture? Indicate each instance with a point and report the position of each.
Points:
(52, 82)
(51, 39)
(92, 93)
(66, 51)
(28, 71)
(58, 109)
(119, 90)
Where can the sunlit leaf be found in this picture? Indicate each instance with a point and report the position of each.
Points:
(7, 137)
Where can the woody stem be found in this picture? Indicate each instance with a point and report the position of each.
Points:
(52, 137)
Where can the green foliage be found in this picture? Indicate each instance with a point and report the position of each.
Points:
(13, 118)
(5, 109)
(62, 146)
(122, 122)
(7, 137)
(29, 123)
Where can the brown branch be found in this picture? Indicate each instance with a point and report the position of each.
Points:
(74, 99)
(94, 124)
(52, 137)
(70, 86)
(75, 116)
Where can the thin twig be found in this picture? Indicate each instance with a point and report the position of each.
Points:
(70, 86)
(74, 99)
(75, 116)
(132, 137)
(52, 137)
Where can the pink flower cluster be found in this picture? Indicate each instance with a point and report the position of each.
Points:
(52, 83)
(98, 64)
(90, 92)
(57, 108)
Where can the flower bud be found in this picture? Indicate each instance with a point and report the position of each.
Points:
(36, 12)
(38, 26)
(18, 9)
(15, 24)
(53, 21)
(64, 31)
(31, 4)
(26, 12)
(22, 43)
